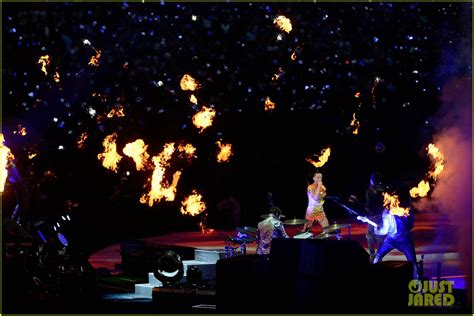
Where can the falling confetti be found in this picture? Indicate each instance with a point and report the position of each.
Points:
(203, 119)
(44, 61)
(269, 105)
(189, 83)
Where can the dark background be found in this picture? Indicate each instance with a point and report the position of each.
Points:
(233, 51)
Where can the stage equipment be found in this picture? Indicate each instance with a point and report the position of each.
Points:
(268, 215)
(169, 268)
(294, 221)
(304, 235)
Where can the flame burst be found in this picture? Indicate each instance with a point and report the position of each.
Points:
(116, 111)
(5, 157)
(421, 190)
(110, 158)
(192, 205)
(159, 186)
(188, 149)
(203, 119)
(193, 99)
(44, 61)
(283, 23)
(81, 142)
(94, 61)
(355, 123)
(392, 202)
(137, 151)
(323, 158)
(224, 153)
(189, 83)
(269, 105)
(439, 161)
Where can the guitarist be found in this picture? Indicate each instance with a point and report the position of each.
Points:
(374, 206)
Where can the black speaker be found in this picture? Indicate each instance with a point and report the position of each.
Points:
(242, 284)
(319, 275)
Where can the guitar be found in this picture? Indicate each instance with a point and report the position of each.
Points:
(366, 220)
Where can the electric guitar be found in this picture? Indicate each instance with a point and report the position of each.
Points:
(366, 220)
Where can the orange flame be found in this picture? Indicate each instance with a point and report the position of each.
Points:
(21, 130)
(193, 99)
(225, 152)
(56, 77)
(269, 105)
(293, 56)
(44, 61)
(192, 205)
(137, 151)
(356, 124)
(188, 149)
(278, 74)
(6, 157)
(159, 186)
(392, 202)
(421, 190)
(81, 141)
(203, 119)
(439, 161)
(117, 111)
(94, 61)
(189, 83)
(323, 158)
(205, 230)
(283, 23)
(110, 158)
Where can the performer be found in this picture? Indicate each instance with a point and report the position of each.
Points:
(270, 228)
(315, 212)
(398, 236)
(374, 207)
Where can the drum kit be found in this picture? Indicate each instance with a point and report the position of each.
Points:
(245, 235)
(328, 232)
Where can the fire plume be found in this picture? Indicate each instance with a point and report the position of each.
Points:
(82, 140)
(137, 151)
(225, 151)
(438, 161)
(192, 205)
(160, 189)
(283, 23)
(392, 202)
(355, 123)
(110, 158)
(44, 61)
(116, 111)
(5, 157)
(421, 190)
(269, 105)
(94, 61)
(56, 77)
(189, 83)
(188, 149)
(323, 158)
(203, 119)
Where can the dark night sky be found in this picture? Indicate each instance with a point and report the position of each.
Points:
(397, 56)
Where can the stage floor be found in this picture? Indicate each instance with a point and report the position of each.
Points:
(434, 237)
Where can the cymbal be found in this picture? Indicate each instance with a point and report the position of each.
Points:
(268, 215)
(336, 227)
(247, 230)
(294, 221)
(241, 240)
